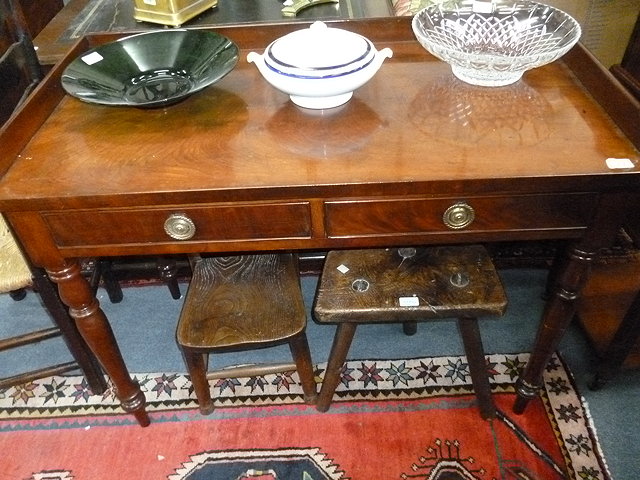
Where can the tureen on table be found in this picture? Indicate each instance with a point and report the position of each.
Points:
(320, 66)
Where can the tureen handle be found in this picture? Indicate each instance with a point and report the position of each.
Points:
(254, 57)
(381, 55)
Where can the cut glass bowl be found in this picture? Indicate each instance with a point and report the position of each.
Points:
(492, 43)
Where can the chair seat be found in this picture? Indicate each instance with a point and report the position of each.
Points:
(226, 307)
(408, 284)
(14, 270)
(242, 303)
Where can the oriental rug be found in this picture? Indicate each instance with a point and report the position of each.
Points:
(391, 419)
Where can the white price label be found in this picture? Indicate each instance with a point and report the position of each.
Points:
(619, 163)
(482, 6)
(91, 58)
(409, 301)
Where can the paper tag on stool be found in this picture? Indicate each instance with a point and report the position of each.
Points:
(409, 301)
(342, 268)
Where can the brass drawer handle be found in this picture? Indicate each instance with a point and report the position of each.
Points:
(179, 226)
(458, 216)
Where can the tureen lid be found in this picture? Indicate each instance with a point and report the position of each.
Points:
(319, 46)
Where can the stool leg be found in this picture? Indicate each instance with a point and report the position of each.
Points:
(168, 269)
(302, 356)
(198, 371)
(339, 350)
(111, 284)
(409, 328)
(477, 365)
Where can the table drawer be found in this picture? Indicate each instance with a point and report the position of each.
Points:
(422, 215)
(180, 224)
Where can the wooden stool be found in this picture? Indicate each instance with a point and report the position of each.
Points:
(409, 285)
(243, 303)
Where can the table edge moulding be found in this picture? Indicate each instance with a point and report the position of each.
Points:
(65, 163)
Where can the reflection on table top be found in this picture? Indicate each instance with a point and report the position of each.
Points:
(80, 17)
(434, 135)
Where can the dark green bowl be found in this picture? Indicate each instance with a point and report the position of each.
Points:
(151, 69)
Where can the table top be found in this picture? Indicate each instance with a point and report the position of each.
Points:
(412, 124)
(82, 17)
(255, 172)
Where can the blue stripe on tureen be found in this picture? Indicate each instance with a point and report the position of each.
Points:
(318, 77)
(309, 69)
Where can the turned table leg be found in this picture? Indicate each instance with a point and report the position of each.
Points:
(557, 316)
(94, 327)
(566, 289)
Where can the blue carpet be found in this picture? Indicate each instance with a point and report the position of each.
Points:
(144, 324)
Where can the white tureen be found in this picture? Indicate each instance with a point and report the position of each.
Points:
(319, 67)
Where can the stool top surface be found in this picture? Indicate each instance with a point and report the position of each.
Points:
(408, 284)
(242, 301)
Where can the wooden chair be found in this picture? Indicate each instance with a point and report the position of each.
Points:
(408, 285)
(243, 303)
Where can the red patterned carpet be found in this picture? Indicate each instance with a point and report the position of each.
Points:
(399, 419)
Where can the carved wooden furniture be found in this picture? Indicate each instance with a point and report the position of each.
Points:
(527, 162)
(240, 303)
(409, 285)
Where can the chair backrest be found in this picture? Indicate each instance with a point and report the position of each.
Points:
(20, 70)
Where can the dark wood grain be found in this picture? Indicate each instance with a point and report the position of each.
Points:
(238, 303)
(373, 286)
(424, 273)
